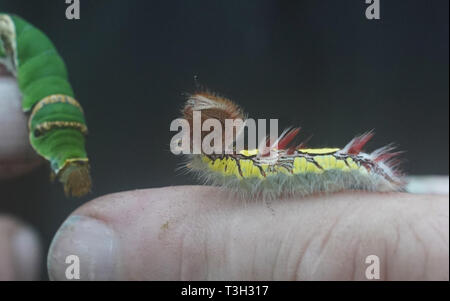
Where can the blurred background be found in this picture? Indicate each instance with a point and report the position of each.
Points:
(317, 64)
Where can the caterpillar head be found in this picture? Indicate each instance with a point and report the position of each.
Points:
(215, 107)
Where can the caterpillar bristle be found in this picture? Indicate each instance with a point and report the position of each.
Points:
(387, 157)
(356, 145)
(287, 138)
(304, 143)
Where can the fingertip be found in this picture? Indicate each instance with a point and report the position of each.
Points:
(126, 236)
(198, 233)
(20, 251)
(16, 154)
(84, 248)
(28, 254)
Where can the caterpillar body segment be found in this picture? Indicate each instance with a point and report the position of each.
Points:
(286, 169)
(57, 126)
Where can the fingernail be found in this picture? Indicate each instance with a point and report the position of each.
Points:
(83, 249)
(27, 254)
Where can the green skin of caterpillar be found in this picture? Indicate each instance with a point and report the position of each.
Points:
(41, 72)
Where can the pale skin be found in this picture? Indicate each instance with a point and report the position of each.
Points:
(200, 233)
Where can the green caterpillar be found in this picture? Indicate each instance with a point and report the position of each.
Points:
(56, 120)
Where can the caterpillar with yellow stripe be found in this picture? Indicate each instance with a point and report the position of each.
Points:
(57, 126)
(284, 169)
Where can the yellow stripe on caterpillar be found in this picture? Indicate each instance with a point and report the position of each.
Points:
(318, 151)
(49, 125)
(249, 152)
(56, 98)
(248, 168)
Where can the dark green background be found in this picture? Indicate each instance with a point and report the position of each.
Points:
(319, 64)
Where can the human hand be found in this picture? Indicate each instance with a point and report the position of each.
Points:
(192, 232)
(198, 233)
(20, 250)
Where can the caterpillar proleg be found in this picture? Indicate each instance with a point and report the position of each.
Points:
(283, 168)
(56, 120)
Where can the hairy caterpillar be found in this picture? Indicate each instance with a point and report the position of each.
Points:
(286, 169)
(56, 123)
